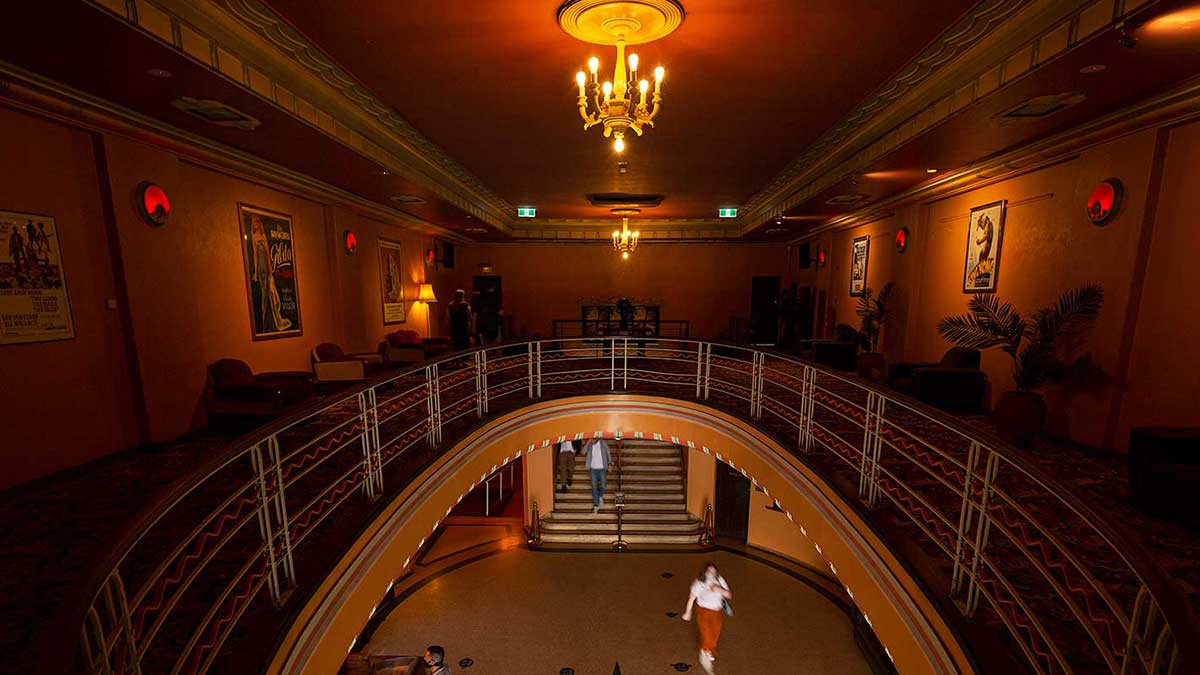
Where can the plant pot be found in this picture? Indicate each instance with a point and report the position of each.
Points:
(1019, 416)
(872, 366)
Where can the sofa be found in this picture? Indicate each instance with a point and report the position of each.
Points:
(233, 390)
(406, 347)
(332, 365)
(955, 383)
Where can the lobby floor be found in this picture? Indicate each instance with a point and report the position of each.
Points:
(520, 611)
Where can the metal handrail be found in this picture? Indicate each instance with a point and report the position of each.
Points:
(975, 497)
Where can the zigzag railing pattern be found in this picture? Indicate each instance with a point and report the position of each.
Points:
(232, 546)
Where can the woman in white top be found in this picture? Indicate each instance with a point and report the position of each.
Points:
(708, 593)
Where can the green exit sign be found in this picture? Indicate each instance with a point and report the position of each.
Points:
(526, 212)
(727, 213)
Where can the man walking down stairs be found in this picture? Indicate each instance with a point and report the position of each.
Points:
(650, 474)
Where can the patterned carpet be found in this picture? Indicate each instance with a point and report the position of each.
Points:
(52, 532)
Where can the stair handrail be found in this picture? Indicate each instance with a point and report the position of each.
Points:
(534, 531)
(707, 531)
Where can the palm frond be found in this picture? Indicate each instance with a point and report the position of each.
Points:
(971, 331)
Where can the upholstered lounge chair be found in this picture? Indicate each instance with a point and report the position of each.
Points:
(404, 347)
(332, 365)
(234, 390)
(955, 383)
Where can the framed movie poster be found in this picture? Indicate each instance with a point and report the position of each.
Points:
(985, 231)
(391, 280)
(34, 306)
(272, 286)
(858, 265)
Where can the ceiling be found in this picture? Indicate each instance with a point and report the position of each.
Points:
(749, 85)
(490, 82)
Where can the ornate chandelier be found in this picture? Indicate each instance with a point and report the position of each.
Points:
(625, 241)
(624, 102)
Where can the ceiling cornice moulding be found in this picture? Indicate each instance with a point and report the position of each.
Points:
(42, 96)
(1178, 106)
(998, 42)
(247, 43)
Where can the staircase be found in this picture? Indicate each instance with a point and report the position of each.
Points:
(655, 512)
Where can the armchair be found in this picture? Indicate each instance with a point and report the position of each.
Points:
(232, 389)
(331, 364)
(954, 383)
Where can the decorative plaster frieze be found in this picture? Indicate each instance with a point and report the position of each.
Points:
(927, 92)
(346, 110)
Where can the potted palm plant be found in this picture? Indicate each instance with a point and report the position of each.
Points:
(1033, 343)
(874, 312)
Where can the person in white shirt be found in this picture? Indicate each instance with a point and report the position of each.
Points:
(566, 464)
(709, 593)
(598, 460)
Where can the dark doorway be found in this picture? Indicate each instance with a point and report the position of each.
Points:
(732, 509)
(487, 299)
(764, 310)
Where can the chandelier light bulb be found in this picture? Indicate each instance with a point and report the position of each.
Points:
(580, 78)
(619, 145)
(659, 73)
(633, 62)
(607, 89)
(593, 64)
(625, 255)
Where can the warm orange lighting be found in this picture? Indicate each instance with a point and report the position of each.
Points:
(1181, 20)
(931, 170)
(426, 294)
(625, 255)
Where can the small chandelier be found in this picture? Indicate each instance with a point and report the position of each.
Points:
(625, 241)
(624, 102)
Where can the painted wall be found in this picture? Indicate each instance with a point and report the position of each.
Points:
(701, 482)
(771, 530)
(538, 471)
(66, 402)
(1048, 247)
(185, 290)
(703, 283)
(1164, 365)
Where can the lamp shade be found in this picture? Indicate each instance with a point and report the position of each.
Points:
(426, 294)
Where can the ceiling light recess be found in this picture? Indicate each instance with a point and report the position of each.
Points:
(619, 23)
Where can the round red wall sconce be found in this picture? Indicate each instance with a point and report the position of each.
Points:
(153, 204)
(1104, 201)
(349, 242)
(901, 240)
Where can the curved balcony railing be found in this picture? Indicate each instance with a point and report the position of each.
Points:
(205, 575)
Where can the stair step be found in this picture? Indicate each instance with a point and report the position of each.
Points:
(606, 516)
(627, 526)
(628, 459)
(630, 497)
(582, 477)
(632, 538)
(673, 486)
(607, 507)
(637, 468)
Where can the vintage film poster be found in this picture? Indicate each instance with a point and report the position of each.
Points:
(391, 280)
(985, 231)
(272, 284)
(858, 265)
(34, 306)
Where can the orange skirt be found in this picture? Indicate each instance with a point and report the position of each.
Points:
(709, 623)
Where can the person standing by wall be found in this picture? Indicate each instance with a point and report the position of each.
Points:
(566, 464)
(462, 321)
(710, 594)
(598, 460)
